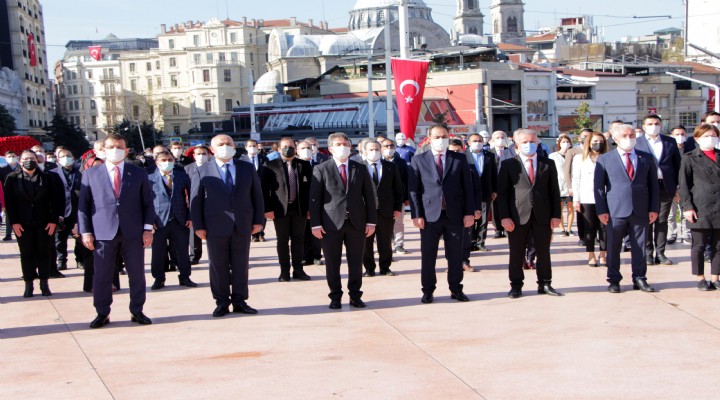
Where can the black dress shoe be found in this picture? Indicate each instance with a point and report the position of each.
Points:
(141, 319)
(671, 240)
(62, 266)
(44, 288)
(475, 247)
(158, 284)
(29, 289)
(335, 304)
(626, 248)
(641, 284)
(387, 273)
(427, 298)
(498, 235)
(548, 290)
(705, 286)
(581, 242)
(220, 311)
(459, 296)
(243, 308)
(100, 321)
(357, 303)
(614, 287)
(56, 274)
(369, 273)
(301, 275)
(187, 282)
(482, 248)
(319, 262)
(650, 260)
(661, 259)
(515, 293)
(284, 277)
(194, 262)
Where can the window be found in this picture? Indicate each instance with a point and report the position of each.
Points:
(157, 64)
(206, 75)
(91, 90)
(233, 56)
(175, 109)
(93, 120)
(173, 81)
(158, 82)
(664, 101)
(93, 105)
(148, 66)
(221, 56)
(208, 57)
(688, 119)
(652, 101)
(197, 58)
(208, 105)
(136, 112)
(171, 43)
(173, 62)
(74, 75)
(233, 37)
(133, 85)
(176, 129)
(640, 101)
(196, 40)
(228, 75)
(77, 104)
(132, 67)
(228, 105)
(70, 105)
(252, 57)
(90, 74)
(75, 90)
(149, 84)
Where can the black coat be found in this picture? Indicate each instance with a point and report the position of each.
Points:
(700, 188)
(26, 209)
(390, 190)
(275, 185)
(518, 199)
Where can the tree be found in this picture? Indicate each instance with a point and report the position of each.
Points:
(129, 129)
(440, 118)
(7, 122)
(65, 134)
(583, 117)
(676, 51)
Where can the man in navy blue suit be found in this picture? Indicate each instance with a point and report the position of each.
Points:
(116, 216)
(441, 204)
(227, 208)
(626, 199)
(171, 190)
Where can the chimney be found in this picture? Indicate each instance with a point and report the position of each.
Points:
(293, 21)
(244, 19)
(163, 28)
(254, 22)
(189, 24)
(310, 22)
(177, 28)
(260, 23)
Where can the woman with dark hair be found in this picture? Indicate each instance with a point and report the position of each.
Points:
(33, 210)
(699, 188)
(564, 143)
(583, 184)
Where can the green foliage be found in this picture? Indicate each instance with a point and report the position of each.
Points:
(129, 129)
(583, 117)
(63, 133)
(7, 122)
(440, 118)
(675, 52)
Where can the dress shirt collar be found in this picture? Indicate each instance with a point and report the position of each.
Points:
(339, 163)
(221, 164)
(435, 153)
(657, 139)
(110, 167)
(623, 152)
(524, 158)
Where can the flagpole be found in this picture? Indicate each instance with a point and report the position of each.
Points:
(390, 114)
(371, 103)
(404, 22)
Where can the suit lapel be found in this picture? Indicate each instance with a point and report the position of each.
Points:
(126, 180)
(448, 164)
(523, 171)
(214, 171)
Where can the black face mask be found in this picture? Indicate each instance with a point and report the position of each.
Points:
(597, 147)
(288, 152)
(30, 165)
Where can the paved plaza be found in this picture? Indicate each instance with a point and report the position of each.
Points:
(587, 345)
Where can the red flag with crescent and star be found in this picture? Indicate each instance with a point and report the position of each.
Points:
(95, 52)
(409, 77)
(31, 50)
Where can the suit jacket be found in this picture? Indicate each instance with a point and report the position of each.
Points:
(219, 210)
(389, 190)
(330, 202)
(506, 154)
(488, 179)
(104, 216)
(669, 161)
(262, 160)
(402, 167)
(427, 188)
(275, 187)
(518, 199)
(71, 191)
(700, 187)
(173, 205)
(47, 204)
(321, 158)
(616, 194)
(5, 171)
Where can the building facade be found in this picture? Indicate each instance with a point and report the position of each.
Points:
(508, 21)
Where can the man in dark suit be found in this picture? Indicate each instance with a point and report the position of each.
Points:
(258, 160)
(178, 152)
(500, 150)
(317, 156)
(227, 207)
(529, 205)
(342, 211)
(483, 164)
(201, 154)
(70, 181)
(286, 190)
(171, 190)
(43, 164)
(116, 216)
(441, 204)
(312, 253)
(390, 154)
(456, 146)
(389, 191)
(12, 164)
(667, 161)
(626, 199)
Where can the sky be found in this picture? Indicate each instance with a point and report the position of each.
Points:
(95, 19)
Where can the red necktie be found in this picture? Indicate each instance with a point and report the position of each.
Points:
(439, 166)
(343, 175)
(629, 167)
(116, 181)
(531, 171)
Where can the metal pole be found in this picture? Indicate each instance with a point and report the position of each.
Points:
(389, 109)
(252, 105)
(142, 141)
(371, 102)
(712, 85)
(685, 33)
(404, 22)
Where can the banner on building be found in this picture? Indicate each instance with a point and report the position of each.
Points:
(95, 52)
(32, 54)
(409, 77)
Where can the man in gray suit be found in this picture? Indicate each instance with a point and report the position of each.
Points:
(626, 199)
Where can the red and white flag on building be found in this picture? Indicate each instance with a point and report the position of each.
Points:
(409, 76)
(32, 54)
(95, 52)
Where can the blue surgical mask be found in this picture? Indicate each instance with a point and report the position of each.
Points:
(528, 149)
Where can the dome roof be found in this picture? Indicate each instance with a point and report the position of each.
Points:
(267, 84)
(363, 4)
(339, 44)
(303, 50)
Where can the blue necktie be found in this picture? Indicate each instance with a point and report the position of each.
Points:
(228, 177)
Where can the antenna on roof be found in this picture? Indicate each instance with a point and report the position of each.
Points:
(227, 9)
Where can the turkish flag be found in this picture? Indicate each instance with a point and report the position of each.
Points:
(31, 49)
(95, 52)
(409, 76)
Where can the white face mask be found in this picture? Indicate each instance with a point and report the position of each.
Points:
(680, 139)
(224, 152)
(201, 159)
(66, 161)
(564, 146)
(177, 153)
(476, 146)
(400, 142)
(100, 155)
(389, 153)
(252, 150)
(626, 144)
(305, 154)
(166, 166)
(652, 130)
(440, 145)
(314, 149)
(500, 143)
(50, 160)
(341, 153)
(372, 155)
(707, 143)
(115, 156)
(12, 160)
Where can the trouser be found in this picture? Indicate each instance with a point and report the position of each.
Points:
(697, 259)
(636, 227)
(580, 221)
(261, 234)
(173, 238)
(452, 233)
(88, 259)
(313, 245)
(496, 218)
(479, 230)
(676, 230)
(105, 257)
(532, 235)
(657, 231)
(593, 228)
(399, 231)
(61, 247)
(383, 234)
(196, 247)
(332, 243)
(229, 260)
(34, 247)
(290, 232)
